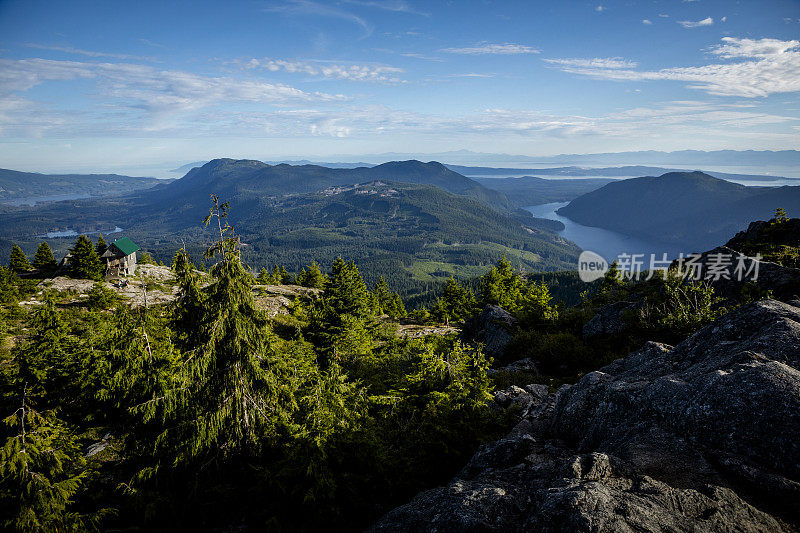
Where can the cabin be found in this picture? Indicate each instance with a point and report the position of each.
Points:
(120, 257)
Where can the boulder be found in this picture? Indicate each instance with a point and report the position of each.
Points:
(493, 328)
(704, 436)
(609, 320)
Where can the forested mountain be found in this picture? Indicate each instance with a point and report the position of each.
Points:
(16, 186)
(411, 232)
(234, 178)
(690, 208)
(529, 190)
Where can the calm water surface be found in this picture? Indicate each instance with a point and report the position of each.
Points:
(607, 243)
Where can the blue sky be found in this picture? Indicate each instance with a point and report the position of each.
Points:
(110, 85)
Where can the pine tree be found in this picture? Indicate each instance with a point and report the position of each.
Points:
(502, 286)
(42, 469)
(187, 309)
(44, 260)
(312, 277)
(18, 261)
(84, 261)
(345, 291)
(101, 245)
(456, 302)
(233, 396)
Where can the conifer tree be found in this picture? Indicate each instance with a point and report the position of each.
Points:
(101, 245)
(232, 396)
(340, 320)
(312, 277)
(502, 286)
(345, 291)
(41, 471)
(44, 260)
(18, 261)
(455, 303)
(84, 261)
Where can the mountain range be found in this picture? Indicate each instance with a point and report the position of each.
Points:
(30, 187)
(410, 221)
(693, 209)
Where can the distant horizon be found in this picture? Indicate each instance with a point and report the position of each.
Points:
(176, 169)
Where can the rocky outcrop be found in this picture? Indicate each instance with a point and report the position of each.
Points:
(609, 320)
(493, 328)
(740, 272)
(701, 437)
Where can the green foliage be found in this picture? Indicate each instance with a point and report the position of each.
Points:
(780, 216)
(679, 306)
(44, 260)
(101, 245)
(312, 276)
(145, 258)
(42, 470)
(278, 276)
(386, 302)
(528, 300)
(84, 262)
(18, 261)
(456, 303)
(101, 297)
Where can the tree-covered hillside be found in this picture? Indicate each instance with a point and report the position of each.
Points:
(413, 234)
(690, 208)
(16, 186)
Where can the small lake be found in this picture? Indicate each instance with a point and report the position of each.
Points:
(73, 233)
(607, 243)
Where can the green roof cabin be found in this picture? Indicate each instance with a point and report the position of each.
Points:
(120, 257)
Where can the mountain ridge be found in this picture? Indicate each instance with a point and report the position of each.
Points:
(693, 209)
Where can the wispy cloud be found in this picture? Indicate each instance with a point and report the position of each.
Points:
(696, 24)
(90, 53)
(647, 22)
(309, 8)
(422, 56)
(600, 9)
(493, 49)
(328, 70)
(149, 98)
(398, 6)
(768, 66)
(597, 62)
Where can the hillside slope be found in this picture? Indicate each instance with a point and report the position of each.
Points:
(18, 186)
(690, 208)
(231, 178)
(291, 215)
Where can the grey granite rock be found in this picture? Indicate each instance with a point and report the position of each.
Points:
(704, 436)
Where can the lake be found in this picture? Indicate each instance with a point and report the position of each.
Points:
(73, 233)
(607, 243)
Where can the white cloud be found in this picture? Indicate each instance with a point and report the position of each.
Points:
(398, 6)
(647, 22)
(90, 53)
(597, 62)
(754, 48)
(708, 21)
(724, 19)
(663, 15)
(600, 9)
(493, 49)
(770, 66)
(309, 8)
(328, 70)
(139, 96)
